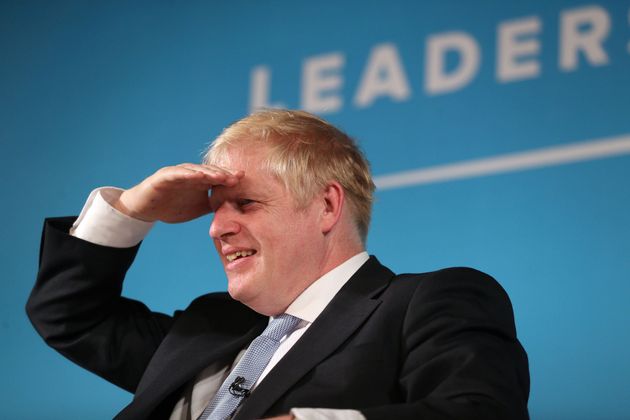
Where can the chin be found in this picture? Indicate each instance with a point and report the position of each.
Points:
(261, 304)
(236, 293)
(239, 291)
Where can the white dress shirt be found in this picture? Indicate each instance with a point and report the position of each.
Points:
(100, 223)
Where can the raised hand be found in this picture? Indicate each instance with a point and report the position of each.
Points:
(175, 194)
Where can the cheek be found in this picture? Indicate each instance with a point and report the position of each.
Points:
(288, 247)
(301, 240)
(294, 238)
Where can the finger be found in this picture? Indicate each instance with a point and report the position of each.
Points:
(215, 175)
(193, 172)
(182, 178)
(208, 169)
(179, 177)
(211, 172)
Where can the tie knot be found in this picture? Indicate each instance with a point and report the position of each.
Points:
(280, 326)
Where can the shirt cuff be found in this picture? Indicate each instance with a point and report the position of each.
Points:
(326, 414)
(102, 224)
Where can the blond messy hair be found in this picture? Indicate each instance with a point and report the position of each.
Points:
(305, 153)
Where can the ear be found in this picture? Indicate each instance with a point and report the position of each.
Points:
(333, 200)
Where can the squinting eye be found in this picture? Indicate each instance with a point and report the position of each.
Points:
(244, 202)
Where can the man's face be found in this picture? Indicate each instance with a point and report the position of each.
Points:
(271, 251)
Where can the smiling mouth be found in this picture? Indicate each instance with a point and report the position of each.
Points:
(239, 254)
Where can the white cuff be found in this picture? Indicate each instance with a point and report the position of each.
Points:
(326, 414)
(102, 224)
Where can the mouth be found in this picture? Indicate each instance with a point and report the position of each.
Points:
(240, 254)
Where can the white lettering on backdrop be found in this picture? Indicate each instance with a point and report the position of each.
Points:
(582, 33)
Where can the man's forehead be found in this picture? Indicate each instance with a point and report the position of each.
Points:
(249, 183)
(258, 180)
(257, 176)
(243, 157)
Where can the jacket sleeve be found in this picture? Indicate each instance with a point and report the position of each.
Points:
(462, 359)
(77, 307)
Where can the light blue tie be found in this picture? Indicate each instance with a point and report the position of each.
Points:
(236, 386)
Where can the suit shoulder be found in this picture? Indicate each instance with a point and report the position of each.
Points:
(219, 301)
(449, 276)
(211, 297)
(448, 273)
(453, 282)
(462, 287)
(220, 306)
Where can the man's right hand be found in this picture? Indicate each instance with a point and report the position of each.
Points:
(175, 194)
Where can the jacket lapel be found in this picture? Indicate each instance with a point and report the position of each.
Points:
(179, 359)
(348, 310)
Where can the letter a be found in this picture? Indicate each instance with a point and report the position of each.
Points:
(383, 76)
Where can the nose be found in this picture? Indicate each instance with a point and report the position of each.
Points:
(224, 223)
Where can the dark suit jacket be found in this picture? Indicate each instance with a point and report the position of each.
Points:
(436, 345)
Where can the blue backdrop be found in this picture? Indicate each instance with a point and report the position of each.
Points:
(499, 134)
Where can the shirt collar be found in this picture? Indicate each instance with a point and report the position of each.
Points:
(312, 301)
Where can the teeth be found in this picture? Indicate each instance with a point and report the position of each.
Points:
(237, 254)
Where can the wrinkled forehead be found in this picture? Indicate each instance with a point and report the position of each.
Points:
(257, 159)
(253, 159)
(259, 183)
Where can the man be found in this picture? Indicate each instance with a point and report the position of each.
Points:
(291, 197)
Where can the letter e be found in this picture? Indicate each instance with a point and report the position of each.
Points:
(510, 49)
(319, 77)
